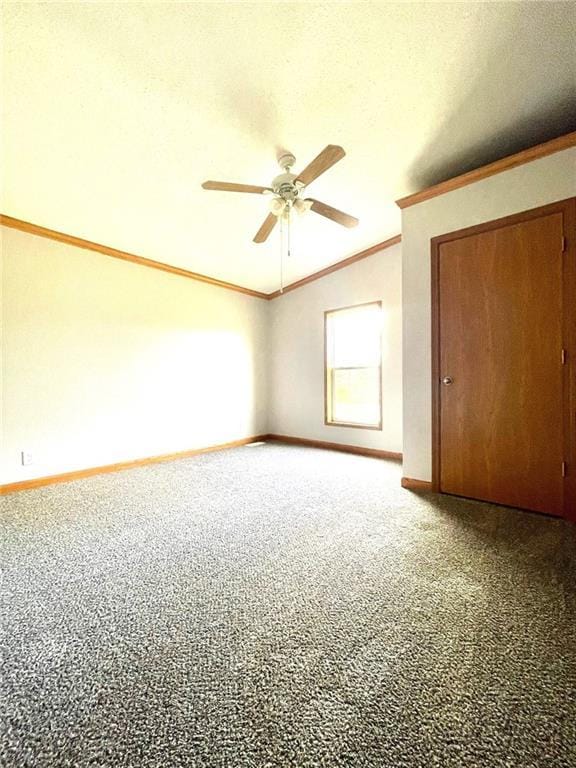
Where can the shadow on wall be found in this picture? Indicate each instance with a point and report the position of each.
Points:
(551, 112)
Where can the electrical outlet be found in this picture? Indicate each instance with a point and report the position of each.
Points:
(27, 458)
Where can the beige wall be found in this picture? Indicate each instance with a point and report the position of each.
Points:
(297, 352)
(105, 361)
(542, 181)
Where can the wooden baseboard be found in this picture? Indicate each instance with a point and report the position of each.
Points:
(37, 482)
(79, 474)
(411, 484)
(345, 448)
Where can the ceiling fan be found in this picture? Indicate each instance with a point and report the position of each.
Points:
(288, 191)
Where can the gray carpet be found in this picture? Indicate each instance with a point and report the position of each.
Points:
(283, 607)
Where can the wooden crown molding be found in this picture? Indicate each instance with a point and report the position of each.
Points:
(505, 164)
(88, 245)
(338, 265)
(79, 474)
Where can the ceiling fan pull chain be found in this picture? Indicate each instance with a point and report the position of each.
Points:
(281, 253)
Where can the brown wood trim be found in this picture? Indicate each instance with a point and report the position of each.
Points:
(435, 345)
(327, 423)
(505, 164)
(88, 245)
(339, 265)
(411, 484)
(560, 206)
(569, 332)
(568, 209)
(37, 482)
(344, 447)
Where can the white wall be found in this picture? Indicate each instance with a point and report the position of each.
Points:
(106, 361)
(537, 183)
(297, 352)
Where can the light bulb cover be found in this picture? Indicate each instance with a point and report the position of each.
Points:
(277, 206)
(302, 206)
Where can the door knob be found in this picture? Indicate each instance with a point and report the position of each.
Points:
(447, 380)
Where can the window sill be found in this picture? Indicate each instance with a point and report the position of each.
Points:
(375, 427)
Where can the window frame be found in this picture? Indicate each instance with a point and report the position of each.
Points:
(328, 372)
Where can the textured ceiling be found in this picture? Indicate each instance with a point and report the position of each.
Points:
(113, 115)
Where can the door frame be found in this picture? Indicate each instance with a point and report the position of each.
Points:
(567, 208)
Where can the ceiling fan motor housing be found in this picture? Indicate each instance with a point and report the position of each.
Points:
(284, 186)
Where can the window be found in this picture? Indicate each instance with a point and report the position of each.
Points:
(353, 366)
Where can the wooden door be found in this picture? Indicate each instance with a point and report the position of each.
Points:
(500, 388)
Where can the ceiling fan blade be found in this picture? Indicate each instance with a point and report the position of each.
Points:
(226, 186)
(326, 159)
(333, 213)
(266, 228)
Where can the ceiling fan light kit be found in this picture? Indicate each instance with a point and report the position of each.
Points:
(288, 190)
